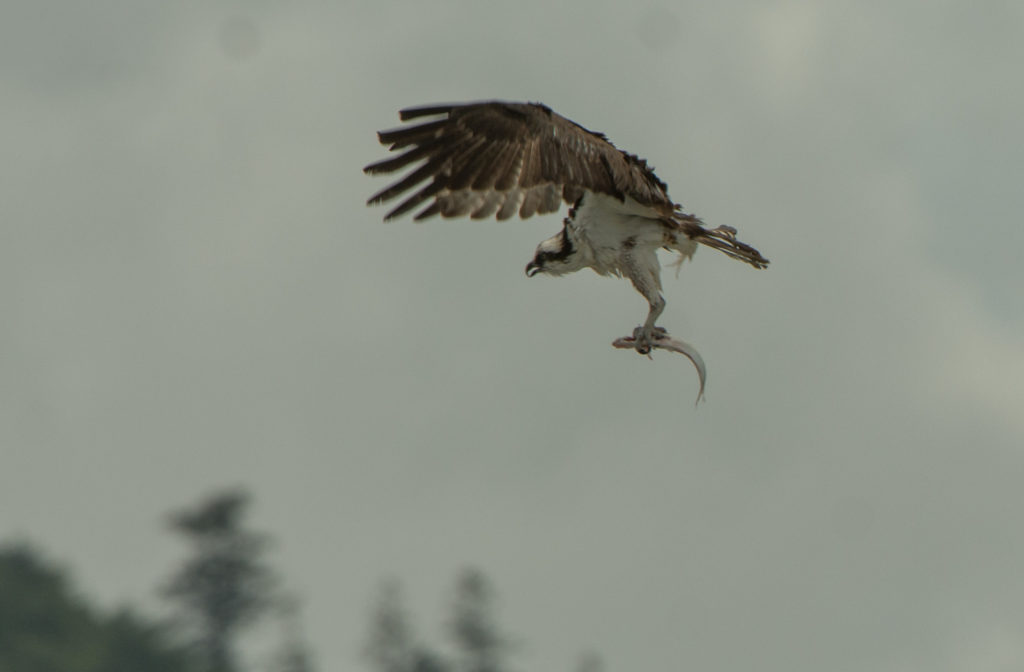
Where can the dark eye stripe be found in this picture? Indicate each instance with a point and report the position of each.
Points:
(566, 250)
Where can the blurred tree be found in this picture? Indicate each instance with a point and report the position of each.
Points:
(427, 661)
(225, 585)
(480, 645)
(590, 662)
(45, 627)
(133, 644)
(392, 646)
(294, 655)
(473, 626)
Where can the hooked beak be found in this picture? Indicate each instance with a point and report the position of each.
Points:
(532, 269)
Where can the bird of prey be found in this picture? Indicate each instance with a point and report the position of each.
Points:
(499, 158)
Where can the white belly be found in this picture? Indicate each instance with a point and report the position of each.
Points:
(611, 228)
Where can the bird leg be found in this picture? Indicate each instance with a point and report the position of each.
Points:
(646, 335)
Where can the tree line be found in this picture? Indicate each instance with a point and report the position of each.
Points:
(224, 586)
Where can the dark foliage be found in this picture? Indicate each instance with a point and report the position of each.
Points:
(478, 644)
(46, 627)
(225, 585)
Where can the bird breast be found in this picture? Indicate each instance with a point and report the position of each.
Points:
(614, 230)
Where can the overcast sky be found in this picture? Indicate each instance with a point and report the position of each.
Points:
(194, 295)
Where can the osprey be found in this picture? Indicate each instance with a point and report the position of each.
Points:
(498, 158)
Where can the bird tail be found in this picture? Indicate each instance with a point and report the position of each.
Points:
(722, 238)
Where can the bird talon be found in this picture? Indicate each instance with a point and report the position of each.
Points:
(645, 340)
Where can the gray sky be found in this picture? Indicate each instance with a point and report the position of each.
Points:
(195, 296)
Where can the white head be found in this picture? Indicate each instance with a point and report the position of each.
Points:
(557, 255)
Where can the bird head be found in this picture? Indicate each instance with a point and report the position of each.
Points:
(557, 255)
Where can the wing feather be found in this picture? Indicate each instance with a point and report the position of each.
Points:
(505, 156)
(426, 111)
(437, 166)
(408, 135)
(403, 160)
(513, 199)
(531, 201)
(460, 203)
(428, 211)
(530, 172)
(415, 200)
(425, 171)
(496, 158)
(551, 198)
(492, 201)
(510, 178)
(477, 167)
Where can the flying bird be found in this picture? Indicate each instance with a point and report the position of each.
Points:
(498, 158)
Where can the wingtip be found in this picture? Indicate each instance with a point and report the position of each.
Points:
(425, 111)
(371, 202)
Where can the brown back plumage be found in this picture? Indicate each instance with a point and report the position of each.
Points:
(497, 157)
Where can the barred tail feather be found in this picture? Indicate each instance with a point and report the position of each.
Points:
(723, 239)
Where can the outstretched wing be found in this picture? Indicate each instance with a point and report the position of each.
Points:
(497, 157)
